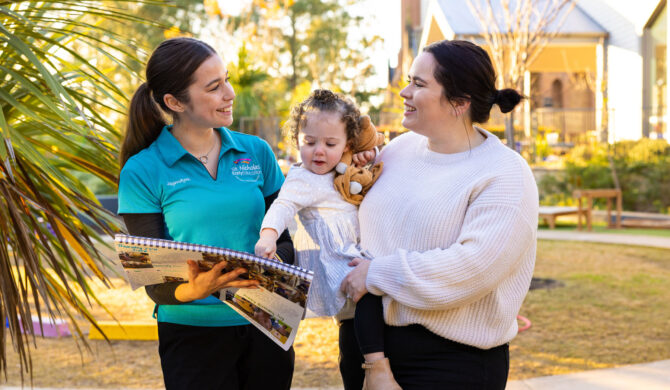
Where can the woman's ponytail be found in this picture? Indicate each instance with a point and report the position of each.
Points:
(507, 99)
(145, 122)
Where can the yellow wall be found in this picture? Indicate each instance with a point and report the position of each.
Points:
(566, 59)
(435, 33)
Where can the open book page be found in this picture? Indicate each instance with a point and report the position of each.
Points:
(276, 307)
(274, 314)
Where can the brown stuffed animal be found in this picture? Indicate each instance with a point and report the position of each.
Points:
(353, 182)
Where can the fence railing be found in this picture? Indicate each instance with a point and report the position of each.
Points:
(564, 125)
(556, 125)
(264, 127)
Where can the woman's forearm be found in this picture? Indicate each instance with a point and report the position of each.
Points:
(152, 226)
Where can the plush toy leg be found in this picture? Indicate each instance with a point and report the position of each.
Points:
(341, 168)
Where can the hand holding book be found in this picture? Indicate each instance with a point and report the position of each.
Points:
(203, 284)
(270, 294)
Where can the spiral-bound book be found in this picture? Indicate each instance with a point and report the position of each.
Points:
(276, 308)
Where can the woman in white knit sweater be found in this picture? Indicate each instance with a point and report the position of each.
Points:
(451, 224)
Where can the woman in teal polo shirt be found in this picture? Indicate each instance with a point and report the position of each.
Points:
(196, 181)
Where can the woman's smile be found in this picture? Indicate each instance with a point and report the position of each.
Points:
(226, 111)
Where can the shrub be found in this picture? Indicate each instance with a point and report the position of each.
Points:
(642, 167)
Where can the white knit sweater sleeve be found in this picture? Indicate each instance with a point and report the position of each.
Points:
(296, 193)
(495, 231)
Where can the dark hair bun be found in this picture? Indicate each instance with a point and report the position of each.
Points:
(324, 96)
(507, 99)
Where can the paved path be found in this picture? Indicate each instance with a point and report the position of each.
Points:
(607, 238)
(648, 376)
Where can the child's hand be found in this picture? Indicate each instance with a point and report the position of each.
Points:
(267, 244)
(362, 158)
(265, 248)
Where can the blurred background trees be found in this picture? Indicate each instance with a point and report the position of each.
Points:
(300, 45)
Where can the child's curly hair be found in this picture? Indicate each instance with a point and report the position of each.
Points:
(323, 100)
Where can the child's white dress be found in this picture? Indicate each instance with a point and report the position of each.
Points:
(327, 236)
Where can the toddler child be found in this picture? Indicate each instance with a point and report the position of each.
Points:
(324, 126)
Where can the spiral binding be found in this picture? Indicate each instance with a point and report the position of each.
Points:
(184, 246)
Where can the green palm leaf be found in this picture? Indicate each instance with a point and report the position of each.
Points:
(54, 105)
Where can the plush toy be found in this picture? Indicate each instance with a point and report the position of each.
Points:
(353, 182)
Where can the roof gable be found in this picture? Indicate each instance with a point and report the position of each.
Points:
(462, 21)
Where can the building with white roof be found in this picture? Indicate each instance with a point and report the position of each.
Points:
(604, 74)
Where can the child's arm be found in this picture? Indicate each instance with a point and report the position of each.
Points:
(285, 251)
(267, 243)
(296, 193)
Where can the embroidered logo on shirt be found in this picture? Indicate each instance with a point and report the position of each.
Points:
(180, 181)
(242, 161)
(244, 169)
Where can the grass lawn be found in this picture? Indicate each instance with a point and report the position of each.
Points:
(613, 309)
(601, 227)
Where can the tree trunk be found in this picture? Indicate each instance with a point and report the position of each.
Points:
(293, 44)
(509, 130)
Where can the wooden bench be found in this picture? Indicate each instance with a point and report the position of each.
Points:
(550, 213)
(607, 193)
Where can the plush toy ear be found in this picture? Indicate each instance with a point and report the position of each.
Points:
(380, 139)
(368, 137)
(365, 122)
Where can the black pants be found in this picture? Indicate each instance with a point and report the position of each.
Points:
(369, 324)
(423, 360)
(230, 358)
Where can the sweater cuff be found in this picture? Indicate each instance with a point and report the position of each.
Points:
(163, 293)
(274, 225)
(381, 274)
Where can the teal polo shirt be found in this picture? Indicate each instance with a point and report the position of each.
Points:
(225, 211)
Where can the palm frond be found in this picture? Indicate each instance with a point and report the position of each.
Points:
(54, 108)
